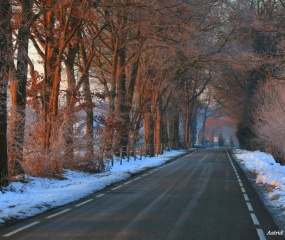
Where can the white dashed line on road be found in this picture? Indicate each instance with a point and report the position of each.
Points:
(100, 195)
(116, 188)
(20, 229)
(128, 182)
(87, 201)
(59, 213)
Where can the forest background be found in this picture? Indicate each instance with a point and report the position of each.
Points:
(131, 71)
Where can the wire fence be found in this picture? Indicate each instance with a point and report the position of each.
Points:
(138, 152)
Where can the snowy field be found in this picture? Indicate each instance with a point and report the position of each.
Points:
(21, 200)
(268, 173)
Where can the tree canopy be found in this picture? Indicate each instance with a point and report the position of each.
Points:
(93, 79)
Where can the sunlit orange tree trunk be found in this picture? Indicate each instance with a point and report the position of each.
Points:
(18, 87)
(55, 30)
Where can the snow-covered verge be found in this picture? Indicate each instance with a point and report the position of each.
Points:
(20, 200)
(268, 173)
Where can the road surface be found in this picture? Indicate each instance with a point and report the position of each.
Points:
(203, 195)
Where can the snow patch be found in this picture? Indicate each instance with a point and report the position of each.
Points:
(20, 200)
(267, 171)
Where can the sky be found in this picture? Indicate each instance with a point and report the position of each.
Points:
(37, 195)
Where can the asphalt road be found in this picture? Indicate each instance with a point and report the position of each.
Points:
(203, 195)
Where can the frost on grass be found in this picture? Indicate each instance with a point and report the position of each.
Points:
(268, 173)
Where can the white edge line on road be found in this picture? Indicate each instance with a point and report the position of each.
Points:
(80, 204)
(260, 234)
(54, 215)
(100, 195)
(245, 197)
(116, 188)
(243, 190)
(254, 219)
(137, 178)
(20, 229)
(249, 206)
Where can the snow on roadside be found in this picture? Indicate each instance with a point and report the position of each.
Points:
(267, 171)
(21, 200)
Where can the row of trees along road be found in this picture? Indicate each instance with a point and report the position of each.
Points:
(254, 73)
(135, 69)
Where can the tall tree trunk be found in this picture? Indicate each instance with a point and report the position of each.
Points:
(158, 125)
(121, 114)
(50, 55)
(5, 61)
(86, 63)
(187, 130)
(18, 91)
(165, 135)
(52, 110)
(149, 133)
(59, 31)
(174, 131)
(124, 97)
(70, 101)
(193, 122)
(112, 96)
(204, 124)
(89, 149)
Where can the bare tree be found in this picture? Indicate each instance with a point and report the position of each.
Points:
(5, 67)
(51, 36)
(18, 86)
(117, 61)
(269, 121)
(250, 53)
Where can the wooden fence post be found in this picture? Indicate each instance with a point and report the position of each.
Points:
(112, 156)
(121, 155)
